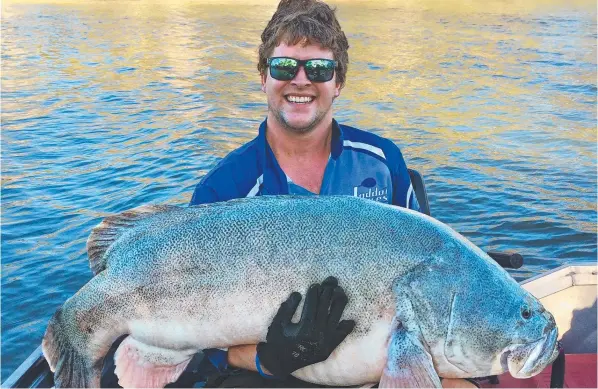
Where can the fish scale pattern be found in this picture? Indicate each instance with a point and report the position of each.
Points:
(182, 279)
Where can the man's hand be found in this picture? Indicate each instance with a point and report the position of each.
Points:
(291, 346)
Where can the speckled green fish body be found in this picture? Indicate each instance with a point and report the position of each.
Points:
(177, 280)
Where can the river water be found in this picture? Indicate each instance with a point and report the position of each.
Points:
(107, 105)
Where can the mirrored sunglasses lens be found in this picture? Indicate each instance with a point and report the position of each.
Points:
(283, 69)
(320, 70)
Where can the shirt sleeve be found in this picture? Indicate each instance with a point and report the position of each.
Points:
(203, 194)
(228, 180)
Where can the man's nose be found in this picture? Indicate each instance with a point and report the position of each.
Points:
(300, 78)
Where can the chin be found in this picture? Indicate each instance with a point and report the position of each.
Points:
(299, 129)
(300, 126)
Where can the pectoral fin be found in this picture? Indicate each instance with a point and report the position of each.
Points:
(409, 365)
(139, 365)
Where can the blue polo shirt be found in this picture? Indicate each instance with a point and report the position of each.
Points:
(360, 164)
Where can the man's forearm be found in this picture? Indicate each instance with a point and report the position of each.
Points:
(244, 357)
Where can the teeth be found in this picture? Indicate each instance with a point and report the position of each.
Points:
(300, 99)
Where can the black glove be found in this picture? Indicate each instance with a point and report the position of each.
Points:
(291, 346)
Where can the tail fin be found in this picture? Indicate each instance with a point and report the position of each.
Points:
(71, 368)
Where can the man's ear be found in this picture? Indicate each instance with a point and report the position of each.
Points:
(263, 79)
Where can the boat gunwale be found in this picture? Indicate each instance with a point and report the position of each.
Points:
(25, 368)
(561, 278)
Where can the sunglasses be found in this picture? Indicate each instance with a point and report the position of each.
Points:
(316, 69)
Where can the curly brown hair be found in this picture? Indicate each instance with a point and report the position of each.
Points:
(305, 22)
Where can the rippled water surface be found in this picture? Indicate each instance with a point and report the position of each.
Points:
(107, 105)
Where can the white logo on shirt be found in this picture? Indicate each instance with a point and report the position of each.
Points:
(376, 194)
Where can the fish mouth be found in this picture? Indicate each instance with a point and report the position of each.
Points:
(527, 360)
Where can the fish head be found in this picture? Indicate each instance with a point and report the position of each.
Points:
(511, 333)
(534, 344)
(475, 319)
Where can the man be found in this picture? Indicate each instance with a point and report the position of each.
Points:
(301, 149)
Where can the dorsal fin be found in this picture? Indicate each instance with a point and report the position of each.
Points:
(112, 227)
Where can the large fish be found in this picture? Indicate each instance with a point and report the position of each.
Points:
(427, 302)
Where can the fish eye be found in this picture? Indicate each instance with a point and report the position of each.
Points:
(526, 312)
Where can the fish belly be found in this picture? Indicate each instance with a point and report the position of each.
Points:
(358, 360)
(221, 318)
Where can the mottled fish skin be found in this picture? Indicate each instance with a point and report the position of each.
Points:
(214, 275)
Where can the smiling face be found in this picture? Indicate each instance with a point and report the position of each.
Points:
(300, 105)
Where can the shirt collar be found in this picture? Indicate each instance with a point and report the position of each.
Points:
(336, 144)
(274, 179)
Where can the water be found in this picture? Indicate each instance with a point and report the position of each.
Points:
(108, 105)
